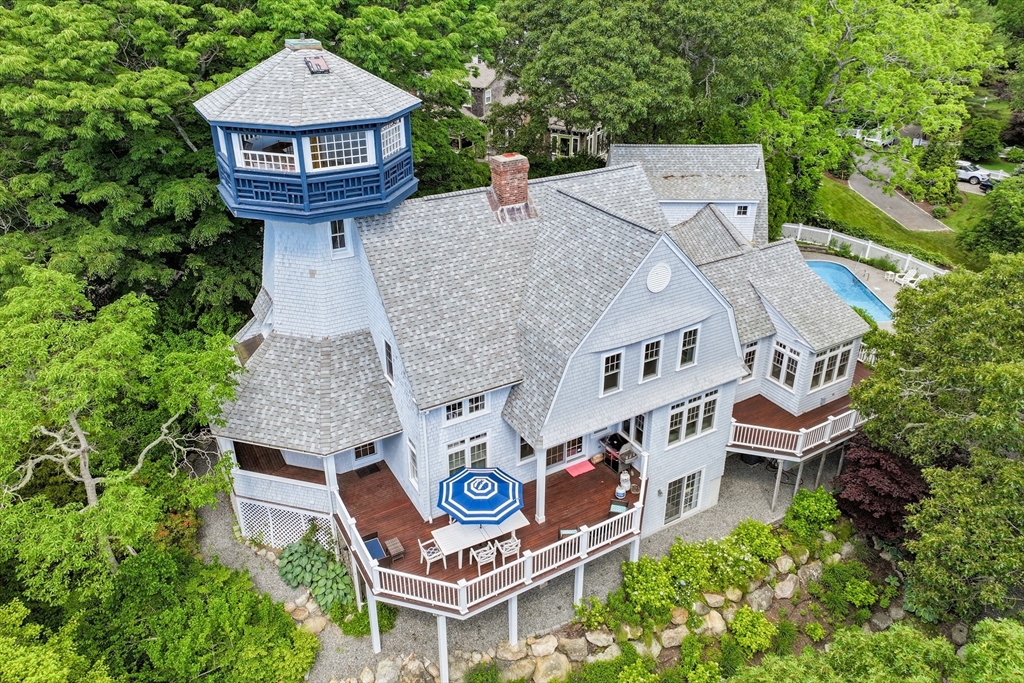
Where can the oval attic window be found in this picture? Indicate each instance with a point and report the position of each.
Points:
(658, 278)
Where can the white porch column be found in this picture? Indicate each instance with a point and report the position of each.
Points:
(577, 584)
(442, 646)
(331, 473)
(634, 550)
(542, 473)
(513, 620)
(357, 577)
(778, 483)
(371, 608)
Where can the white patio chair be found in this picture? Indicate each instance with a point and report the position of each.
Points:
(431, 553)
(509, 548)
(907, 278)
(488, 553)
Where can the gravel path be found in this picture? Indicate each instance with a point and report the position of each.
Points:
(745, 492)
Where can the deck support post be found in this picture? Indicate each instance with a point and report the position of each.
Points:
(358, 578)
(577, 584)
(634, 549)
(799, 477)
(541, 485)
(513, 620)
(371, 607)
(778, 483)
(842, 453)
(821, 467)
(442, 646)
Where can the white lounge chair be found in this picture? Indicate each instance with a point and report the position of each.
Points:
(431, 553)
(907, 278)
(488, 553)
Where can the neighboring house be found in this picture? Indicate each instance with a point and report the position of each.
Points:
(527, 326)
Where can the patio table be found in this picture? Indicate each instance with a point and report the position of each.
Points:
(455, 538)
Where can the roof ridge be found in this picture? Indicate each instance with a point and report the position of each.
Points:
(602, 209)
(577, 174)
(266, 72)
(356, 88)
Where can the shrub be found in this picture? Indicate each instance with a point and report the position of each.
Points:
(637, 672)
(707, 672)
(180, 529)
(811, 513)
(733, 657)
(757, 539)
(981, 141)
(359, 624)
(860, 593)
(753, 631)
(861, 616)
(1015, 155)
(785, 638)
(815, 631)
(940, 211)
(309, 564)
(591, 614)
(648, 591)
(484, 673)
(709, 565)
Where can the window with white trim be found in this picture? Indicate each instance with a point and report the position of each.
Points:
(831, 366)
(477, 404)
(749, 360)
(487, 96)
(692, 417)
(634, 429)
(683, 496)
(688, 347)
(366, 450)
(477, 451)
(526, 451)
(741, 210)
(611, 375)
(339, 240)
(392, 138)
(785, 362)
(573, 447)
(350, 148)
(414, 467)
(652, 360)
(474, 405)
(555, 455)
(389, 362)
(265, 152)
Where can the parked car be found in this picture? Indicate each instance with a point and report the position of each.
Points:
(988, 184)
(965, 170)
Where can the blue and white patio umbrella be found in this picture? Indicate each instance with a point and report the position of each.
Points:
(480, 496)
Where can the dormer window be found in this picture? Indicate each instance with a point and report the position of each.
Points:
(392, 138)
(337, 150)
(265, 152)
(741, 210)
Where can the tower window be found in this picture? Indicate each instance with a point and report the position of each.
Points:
(338, 241)
(392, 138)
(339, 149)
(266, 152)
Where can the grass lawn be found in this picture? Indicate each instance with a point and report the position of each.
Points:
(843, 204)
(969, 213)
(998, 166)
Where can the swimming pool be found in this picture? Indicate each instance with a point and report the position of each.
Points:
(853, 291)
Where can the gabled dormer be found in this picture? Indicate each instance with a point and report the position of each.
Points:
(307, 137)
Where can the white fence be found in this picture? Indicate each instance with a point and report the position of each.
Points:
(795, 443)
(859, 247)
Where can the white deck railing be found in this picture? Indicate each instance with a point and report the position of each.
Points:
(867, 356)
(464, 594)
(796, 443)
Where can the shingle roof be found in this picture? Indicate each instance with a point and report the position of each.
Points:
(703, 173)
(281, 91)
(316, 396)
(709, 236)
(260, 308)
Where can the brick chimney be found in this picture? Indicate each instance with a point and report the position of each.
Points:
(509, 173)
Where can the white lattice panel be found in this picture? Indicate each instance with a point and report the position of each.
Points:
(279, 527)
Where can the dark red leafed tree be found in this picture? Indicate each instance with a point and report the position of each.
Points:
(876, 487)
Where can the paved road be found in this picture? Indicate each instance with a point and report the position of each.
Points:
(904, 212)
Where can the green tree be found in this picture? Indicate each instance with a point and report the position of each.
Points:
(967, 540)
(28, 656)
(1002, 228)
(981, 141)
(947, 382)
(94, 393)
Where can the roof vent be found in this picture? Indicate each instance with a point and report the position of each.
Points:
(317, 65)
(658, 278)
(302, 43)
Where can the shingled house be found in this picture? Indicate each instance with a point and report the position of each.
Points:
(610, 333)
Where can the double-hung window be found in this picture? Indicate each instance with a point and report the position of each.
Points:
(366, 450)
(526, 451)
(474, 446)
(652, 360)
(389, 362)
(785, 362)
(749, 360)
(611, 373)
(831, 366)
(634, 429)
(467, 407)
(414, 467)
(692, 417)
(688, 347)
(683, 496)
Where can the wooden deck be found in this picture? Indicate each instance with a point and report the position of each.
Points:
(762, 412)
(379, 505)
(262, 460)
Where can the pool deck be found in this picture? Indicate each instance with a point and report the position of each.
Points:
(873, 278)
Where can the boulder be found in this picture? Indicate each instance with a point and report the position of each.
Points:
(434, 671)
(521, 668)
(754, 585)
(896, 612)
(414, 672)
(574, 648)
(784, 589)
(714, 625)
(810, 572)
(961, 651)
(289, 607)
(543, 647)
(802, 556)
(300, 613)
(714, 600)
(729, 613)
(611, 652)
(772, 573)
(512, 653)
(828, 536)
(315, 624)
(673, 637)
(312, 606)
(632, 632)
(271, 555)
(679, 616)
(880, 621)
(734, 594)
(302, 597)
(835, 558)
(388, 671)
(553, 667)
(761, 599)
(784, 564)
(959, 634)
(848, 551)
(366, 676)
(457, 669)
(262, 552)
(700, 609)
(642, 648)
(602, 638)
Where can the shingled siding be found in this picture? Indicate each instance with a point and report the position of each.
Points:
(637, 316)
(314, 293)
(281, 491)
(678, 211)
(762, 363)
(813, 399)
(776, 393)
